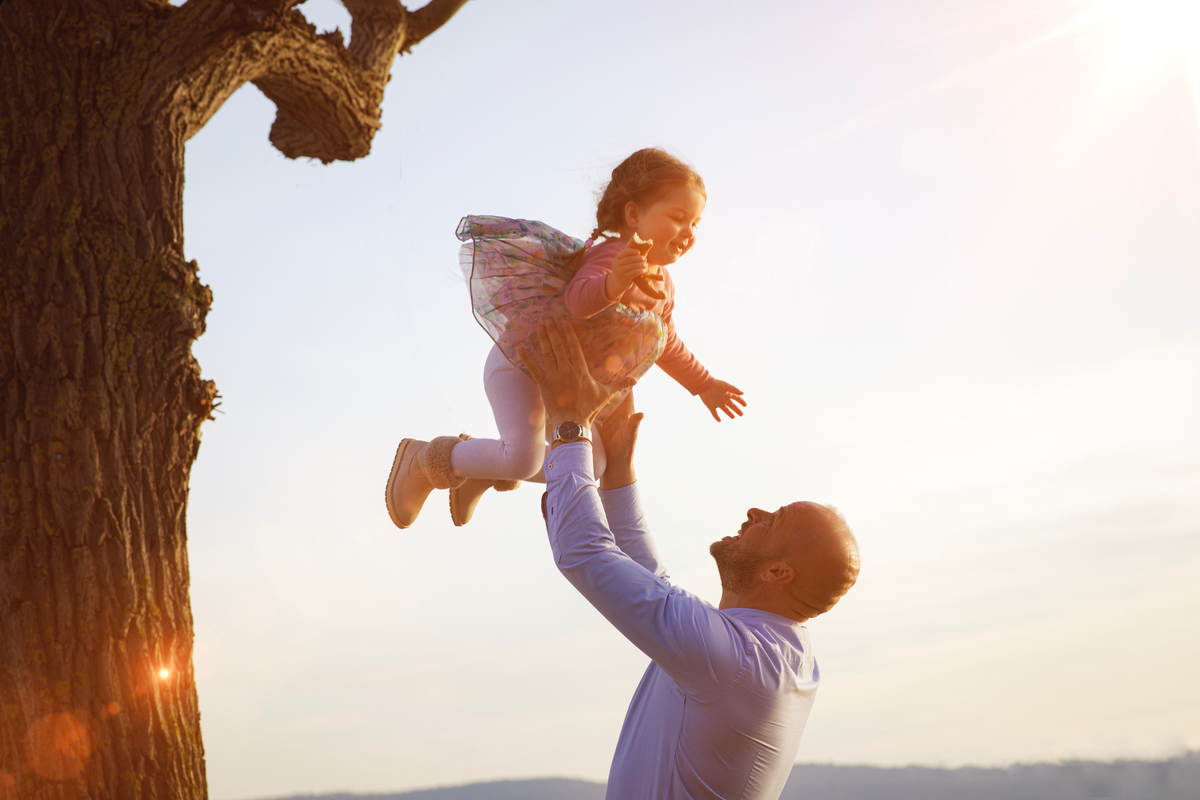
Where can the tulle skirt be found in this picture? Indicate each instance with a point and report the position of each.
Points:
(517, 270)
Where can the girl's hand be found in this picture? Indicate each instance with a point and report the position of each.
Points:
(630, 265)
(723, 396)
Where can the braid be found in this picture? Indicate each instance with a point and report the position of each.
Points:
(576, 259)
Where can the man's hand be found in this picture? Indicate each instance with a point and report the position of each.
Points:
(723, 396)
(619, 434)
(568, 389)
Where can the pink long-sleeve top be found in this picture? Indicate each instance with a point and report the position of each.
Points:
(585, 297)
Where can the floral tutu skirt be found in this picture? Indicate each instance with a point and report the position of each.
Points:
(517, 270)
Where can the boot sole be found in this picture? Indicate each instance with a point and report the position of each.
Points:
(391, 484)
(458, 523)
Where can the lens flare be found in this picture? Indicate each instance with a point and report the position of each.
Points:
(164, 673)
(58, 746)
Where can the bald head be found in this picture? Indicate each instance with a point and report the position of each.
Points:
(797, 561)
(824, 554)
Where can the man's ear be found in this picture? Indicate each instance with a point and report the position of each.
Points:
(631, 215)
(779, 572)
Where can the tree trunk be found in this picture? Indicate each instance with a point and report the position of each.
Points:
(101, 401)
(100, 407)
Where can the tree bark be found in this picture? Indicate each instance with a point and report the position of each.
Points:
(101, 401)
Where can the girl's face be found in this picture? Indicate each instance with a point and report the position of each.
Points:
(670, 221)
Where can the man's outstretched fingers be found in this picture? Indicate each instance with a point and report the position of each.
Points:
(562, 350)
(534, 370)
(553, 344)
(574, 348)
(635, 424)
(621, 383)
(619, 434)
(548, 354)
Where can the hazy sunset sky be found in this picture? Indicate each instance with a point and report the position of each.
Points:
(951, 253)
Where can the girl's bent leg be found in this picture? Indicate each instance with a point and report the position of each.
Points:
(520, 419)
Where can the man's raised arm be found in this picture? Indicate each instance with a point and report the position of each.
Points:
(688, 638)
(619, 489)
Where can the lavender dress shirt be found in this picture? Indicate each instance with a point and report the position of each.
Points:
(721, 707)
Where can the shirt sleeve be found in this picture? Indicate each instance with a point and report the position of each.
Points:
(627, 521)
(694, 643)
(676, 360)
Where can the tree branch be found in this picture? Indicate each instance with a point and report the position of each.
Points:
(206, 50)
(327, 95)
(428, 19)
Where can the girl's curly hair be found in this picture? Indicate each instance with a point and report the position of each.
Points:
(642, 178)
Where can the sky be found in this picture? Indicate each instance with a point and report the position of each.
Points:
(951, 253)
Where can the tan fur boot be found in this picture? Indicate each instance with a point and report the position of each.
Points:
(463, 499)
(418, 468)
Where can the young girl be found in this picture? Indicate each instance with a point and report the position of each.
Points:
(618, 295)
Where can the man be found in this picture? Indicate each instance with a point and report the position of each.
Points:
(720, 709)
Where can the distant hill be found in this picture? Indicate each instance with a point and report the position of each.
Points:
(533, 789)
(1172, 779)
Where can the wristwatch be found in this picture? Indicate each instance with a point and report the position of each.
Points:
(572, 432)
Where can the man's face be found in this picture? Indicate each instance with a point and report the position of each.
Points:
(740, 557)
(812, 541)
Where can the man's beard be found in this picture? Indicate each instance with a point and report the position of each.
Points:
(736, 568)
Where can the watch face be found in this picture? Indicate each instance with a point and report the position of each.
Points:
(570, 431)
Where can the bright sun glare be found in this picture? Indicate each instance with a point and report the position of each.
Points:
(1152, 29)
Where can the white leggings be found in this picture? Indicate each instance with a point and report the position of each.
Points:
(521, 420)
